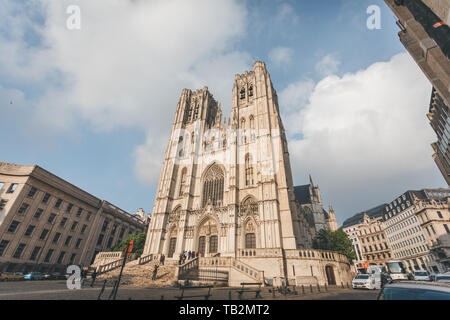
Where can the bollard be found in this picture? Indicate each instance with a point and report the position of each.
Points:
(273, 293)
(295, 290)
(162, 297)
(303, 289)
(318, 288)
(310, 287)
(342, 284)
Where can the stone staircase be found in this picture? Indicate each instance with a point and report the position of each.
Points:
(140, 275)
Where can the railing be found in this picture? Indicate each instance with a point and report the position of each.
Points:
(109, 266)
(316, 255)
(260, 252)
(147, 258)
(232, 262)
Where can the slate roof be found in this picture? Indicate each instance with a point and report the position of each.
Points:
(359, 217)
(302, 194)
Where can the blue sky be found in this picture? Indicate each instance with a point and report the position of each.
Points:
(94, 106)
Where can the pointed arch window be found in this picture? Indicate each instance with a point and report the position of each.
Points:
(250, 91)
(250, 241)
(248, 170)
(196, 111)
(242, 93)
(252, 128)
(213, 186)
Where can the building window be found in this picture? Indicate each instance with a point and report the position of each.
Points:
(213, 243)
(83, 228)
(48, 255)
(23, 208)
(34, 253)
(213, 186)
(72, 258)
(61, 257)
(74, 226)
(69, 207)
(250, 91)
(100, 239)
(58, 203)
(3, 245)
(56, 237)
(80, 210)
(105, 225)
(51, 218)
(46, 198)
(242, 93)
(77, 245)
(62, 224)
(32, 192)
(88, 216)
(250, 241)
(19, 250)
(12, 188)
(440, 215)
(68, 240)
(29, 231)
(13, 226)
(446, 228)
(43, 234)
(38, 213)
(109, 244)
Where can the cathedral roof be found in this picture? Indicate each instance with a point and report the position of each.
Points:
(359, 217)
(302, 194)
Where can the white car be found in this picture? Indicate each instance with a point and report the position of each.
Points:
(443, 278)
(366, 281)
(422, 275)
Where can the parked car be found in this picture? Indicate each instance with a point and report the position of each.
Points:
(8, 276)
(34, 276)
(443, 278)
(414, 291)
(366, 281)
(55, 276)
(422, 275)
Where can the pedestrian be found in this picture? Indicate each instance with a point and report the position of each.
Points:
(163, 258)
(189, 254)
(94, 276)
(155, 271)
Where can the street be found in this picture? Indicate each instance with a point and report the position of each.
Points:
(57, 290)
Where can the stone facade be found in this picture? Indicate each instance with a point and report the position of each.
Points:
(226, 187)
(46, 223)
(366, 231)
(425, 34)
(414, 223)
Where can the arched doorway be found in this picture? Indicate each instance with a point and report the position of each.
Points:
(330, 275)
(208, 238)
(172, 246)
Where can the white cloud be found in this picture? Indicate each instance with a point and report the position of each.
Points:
(286, 12)
(365, 135)
(127, 64)
(281, 56)
(328, 65)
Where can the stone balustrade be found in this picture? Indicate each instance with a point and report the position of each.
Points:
(316, 255)
(260, 252)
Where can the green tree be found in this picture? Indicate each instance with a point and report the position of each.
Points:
(138, 243)
(337, 241)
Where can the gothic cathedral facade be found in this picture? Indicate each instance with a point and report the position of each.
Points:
(226, 184)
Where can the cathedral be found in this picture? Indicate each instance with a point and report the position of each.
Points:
(226, 190)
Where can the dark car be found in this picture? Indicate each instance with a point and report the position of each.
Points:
(414, 291)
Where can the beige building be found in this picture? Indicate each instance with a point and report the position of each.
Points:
(366, 231)
(413, 223)
(425, 33)
(46, 223)
(226, 191)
